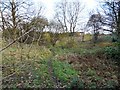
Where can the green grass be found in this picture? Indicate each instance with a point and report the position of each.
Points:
(64, 71)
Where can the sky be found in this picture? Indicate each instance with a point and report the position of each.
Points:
(50, 5)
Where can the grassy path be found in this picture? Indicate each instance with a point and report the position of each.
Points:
(52, 75)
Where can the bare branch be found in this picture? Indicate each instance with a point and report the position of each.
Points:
(15, 41)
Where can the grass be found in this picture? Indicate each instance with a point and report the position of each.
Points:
(32, 68)
(64, 71)
(82, 66)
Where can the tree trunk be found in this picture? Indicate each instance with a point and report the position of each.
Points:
(118, 27)
(95, 35)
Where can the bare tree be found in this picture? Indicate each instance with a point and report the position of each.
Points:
(2, 19)
(68, 14)
(55, 27)
(112, 16)
(95, 22)
(15, 13)
(61, 15)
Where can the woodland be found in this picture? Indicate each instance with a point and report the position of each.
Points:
(64, 52)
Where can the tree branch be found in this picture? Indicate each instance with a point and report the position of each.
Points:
(15, 40)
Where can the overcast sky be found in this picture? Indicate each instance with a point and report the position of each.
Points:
(50, 5)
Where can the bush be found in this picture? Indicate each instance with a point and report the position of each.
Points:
(67, 43)
(60, 43)
(10, 33)
(71, 43)
(46, 39)
(112, 53)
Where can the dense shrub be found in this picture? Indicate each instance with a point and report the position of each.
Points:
(10, 33)
(71, 43)
(112, 53)
(67, 43)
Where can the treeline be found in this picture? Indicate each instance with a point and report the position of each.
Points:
(42, 38)
(16, 20)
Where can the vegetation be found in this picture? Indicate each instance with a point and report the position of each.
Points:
(38, 53)
(82, 66)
